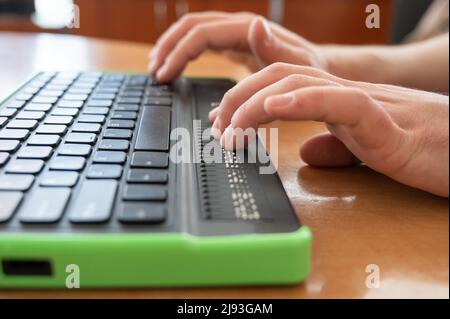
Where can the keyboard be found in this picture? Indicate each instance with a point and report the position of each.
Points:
(90, 154)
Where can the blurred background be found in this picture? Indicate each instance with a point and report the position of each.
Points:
(321, 21)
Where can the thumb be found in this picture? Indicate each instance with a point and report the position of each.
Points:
(326, 150)
(268, 48)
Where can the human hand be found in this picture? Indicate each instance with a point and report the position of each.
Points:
(399, 132)
(265, 42)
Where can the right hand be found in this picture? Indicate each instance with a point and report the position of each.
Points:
(247, 33)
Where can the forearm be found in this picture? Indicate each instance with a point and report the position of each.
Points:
(421, 65)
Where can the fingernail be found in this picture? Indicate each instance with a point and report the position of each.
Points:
(160, 74)
(284, 100)
(215, 132)
(152, 66)
(153, 53)
(212, 115)
(227, 140)
(268, 31)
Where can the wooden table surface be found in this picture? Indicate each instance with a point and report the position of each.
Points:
(357, 217)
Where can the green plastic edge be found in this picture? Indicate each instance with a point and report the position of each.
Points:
(161, 260)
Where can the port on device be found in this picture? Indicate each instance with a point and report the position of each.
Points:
(26, 267)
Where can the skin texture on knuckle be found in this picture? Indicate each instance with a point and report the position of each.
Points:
(196, 31)
(188, 19)
(279, 69)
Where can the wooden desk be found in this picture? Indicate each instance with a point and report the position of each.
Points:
(358, 217)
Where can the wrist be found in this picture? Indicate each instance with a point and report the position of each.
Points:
(367, 64)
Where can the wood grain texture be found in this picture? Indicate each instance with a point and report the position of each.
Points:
(358, 217)
(323, 21)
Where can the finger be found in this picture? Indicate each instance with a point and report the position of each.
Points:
(251, 114)
(213, 35)
(365, 121)
(172, 36)
(268, 47)
(213, 114)
(326, 150)
(235, 97)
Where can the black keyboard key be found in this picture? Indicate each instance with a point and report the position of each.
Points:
(158, 93)
(145, 193)
(103, 96)
(107, 90)
(125, 124)
(44, 140)
(81, 138)
(22, 183)
(121, 115)
(59, 120)
(16, 104)
(158, 101)
(28, 115)
(10, 134)
(55, 93)
(75, 97)
(102, 171)
(129, 100)
(85, 85)
(142, 213)
(105, 157)
(4, 158)
(23, 124)
(56, 86)
(38, 107)
(127, 107)
(61, 111)
(87, 128)
(59, 179)
(8, 112)
(118, 134)
(100, 103)
(45, 205)
(92, 119)
(131, 93)
(10, 201)
(35, 152)
(25, 166)
(96, 111)
(75, 150)
(67, 163)
(44, 100)
(52, 129)
(114, 145)
(24, 96)
(9, 146)
(78, 90)
(31, 90)
(70, 104)
(147, 176)
(149, 160)
(113, 77)
(95, 201)
(154, 129)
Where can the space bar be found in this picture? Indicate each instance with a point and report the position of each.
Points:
(154, 129)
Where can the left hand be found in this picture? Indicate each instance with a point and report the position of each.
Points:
(398, 132)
